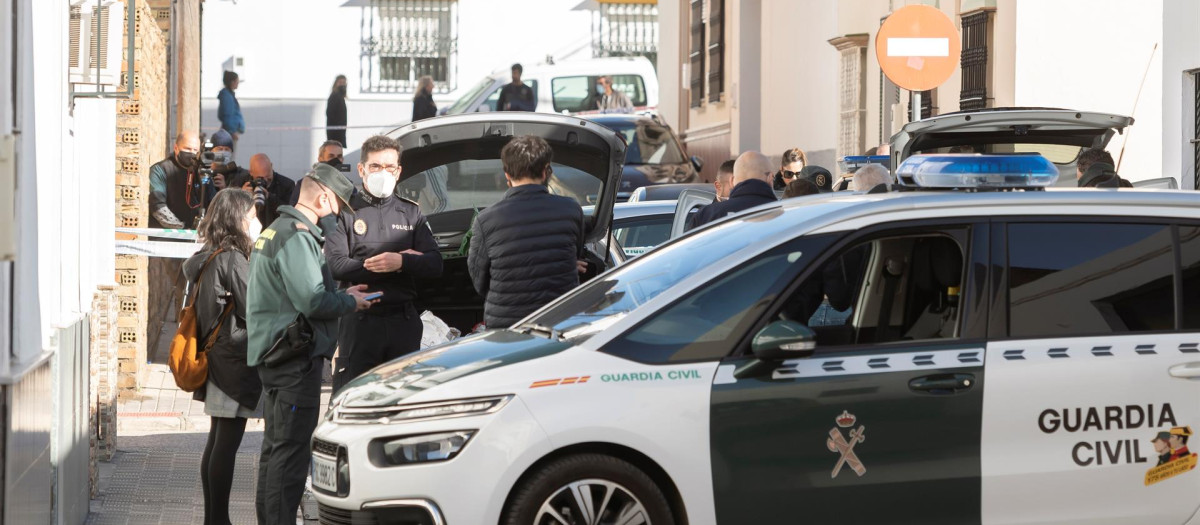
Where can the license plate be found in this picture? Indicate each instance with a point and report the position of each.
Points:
(324, 473)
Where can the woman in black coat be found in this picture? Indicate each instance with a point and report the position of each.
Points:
(423, 106)
(217, 275)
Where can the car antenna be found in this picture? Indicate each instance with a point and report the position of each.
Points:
(1121, 156)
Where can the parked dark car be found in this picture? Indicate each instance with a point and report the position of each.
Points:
(653, 154)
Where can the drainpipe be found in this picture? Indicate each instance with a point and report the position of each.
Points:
(130, 29)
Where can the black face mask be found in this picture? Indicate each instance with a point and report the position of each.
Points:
(186, 159)
(335, 162)
(341, 90)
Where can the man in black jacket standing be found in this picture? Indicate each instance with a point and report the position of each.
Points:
(526, 250)
(335, 111)
(386, 245)
(751, 187)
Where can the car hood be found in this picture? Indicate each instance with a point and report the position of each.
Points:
(1007, 126)
(587, 146)
(393, 382)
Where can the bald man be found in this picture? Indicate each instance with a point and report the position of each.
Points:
(271, 190)
(752, 173)
(175, 196)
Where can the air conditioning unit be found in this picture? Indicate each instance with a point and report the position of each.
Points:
(97, 41)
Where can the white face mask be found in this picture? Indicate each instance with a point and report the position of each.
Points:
(379, 184)
(255, 229)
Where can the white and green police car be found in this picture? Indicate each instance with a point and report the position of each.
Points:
(999, 357)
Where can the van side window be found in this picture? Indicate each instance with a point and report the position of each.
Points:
(1076, 279)
(578, 93)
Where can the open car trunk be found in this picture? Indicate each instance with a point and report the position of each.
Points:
(451, 167)
(1057, 134)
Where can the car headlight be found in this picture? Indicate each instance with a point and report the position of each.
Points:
(425, 448)
(419, 412)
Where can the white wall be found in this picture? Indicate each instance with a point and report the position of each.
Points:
(799, 80)
(67, 159)
(1096, 65)
(1180, 55)
(293, 49)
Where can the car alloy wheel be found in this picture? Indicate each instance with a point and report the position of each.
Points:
(592, 502)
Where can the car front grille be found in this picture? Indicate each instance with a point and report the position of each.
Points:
(324, 448)
(385, 516)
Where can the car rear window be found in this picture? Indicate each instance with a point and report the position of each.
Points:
(1076, 279)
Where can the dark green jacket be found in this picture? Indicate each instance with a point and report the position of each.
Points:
(288, 276)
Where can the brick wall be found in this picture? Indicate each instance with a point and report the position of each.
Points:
(102, 388)
(141, 141)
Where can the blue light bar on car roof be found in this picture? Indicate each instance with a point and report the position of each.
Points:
(972, 170)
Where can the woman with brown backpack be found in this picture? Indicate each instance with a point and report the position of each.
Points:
(232, 391)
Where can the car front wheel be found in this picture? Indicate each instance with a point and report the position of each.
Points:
(588, 489)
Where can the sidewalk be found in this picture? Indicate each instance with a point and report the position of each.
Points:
(154, 477)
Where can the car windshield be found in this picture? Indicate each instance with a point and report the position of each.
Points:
(461, 104)
(605, 300)
(649, 143)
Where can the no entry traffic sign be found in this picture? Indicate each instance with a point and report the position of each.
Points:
(918, 47)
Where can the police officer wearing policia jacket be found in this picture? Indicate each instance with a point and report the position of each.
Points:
(386, 245)
(290, 283)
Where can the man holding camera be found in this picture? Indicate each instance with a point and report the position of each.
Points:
(271, 190)
(387, 244)
(176, 194)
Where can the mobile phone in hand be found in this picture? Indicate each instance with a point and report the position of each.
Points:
(372, 296)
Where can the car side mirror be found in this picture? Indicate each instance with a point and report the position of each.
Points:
(776, 342)
(698, 163)
(784, 340)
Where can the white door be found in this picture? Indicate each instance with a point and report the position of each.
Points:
(1090, 364)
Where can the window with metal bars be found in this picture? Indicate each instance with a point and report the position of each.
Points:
(626, 29)
(716, 50)
(403, 40)
(1196, 136)
(696, 55)
(974, 61)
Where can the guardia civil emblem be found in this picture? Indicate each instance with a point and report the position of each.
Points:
(837, 442)
(360, 227)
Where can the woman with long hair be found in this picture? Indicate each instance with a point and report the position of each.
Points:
(335, 111)
(217, 276)
(423, 106)
(792, 162)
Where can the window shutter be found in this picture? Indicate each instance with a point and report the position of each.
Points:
(716, 50)
(76, 20)
(696, 55)
(974, 61)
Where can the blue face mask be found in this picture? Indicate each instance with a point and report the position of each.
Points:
(599, 90)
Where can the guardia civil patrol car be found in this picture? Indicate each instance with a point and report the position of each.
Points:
(1001, 357)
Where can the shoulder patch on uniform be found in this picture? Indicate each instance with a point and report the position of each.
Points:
(268, 233)
(406, 199)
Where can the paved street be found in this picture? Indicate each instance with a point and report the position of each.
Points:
(154, 477)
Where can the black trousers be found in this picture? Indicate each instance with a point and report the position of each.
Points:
(290, 410)
(367, 340)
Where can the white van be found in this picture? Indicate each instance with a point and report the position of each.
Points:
(568, 87)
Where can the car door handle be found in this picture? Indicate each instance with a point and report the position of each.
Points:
(943, 383)
(1186, 370)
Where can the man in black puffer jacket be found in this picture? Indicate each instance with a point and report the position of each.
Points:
(526, 250)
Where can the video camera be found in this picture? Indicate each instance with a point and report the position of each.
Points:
(202, 167)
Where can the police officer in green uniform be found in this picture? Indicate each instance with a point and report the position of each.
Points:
(291, 283)
(386, 245)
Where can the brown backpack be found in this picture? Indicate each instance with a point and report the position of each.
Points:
(188, 364)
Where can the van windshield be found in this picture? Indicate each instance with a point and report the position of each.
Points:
(464, 101)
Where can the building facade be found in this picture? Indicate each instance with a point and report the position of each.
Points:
(82, 107)
(774, 74)
(383, 47)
